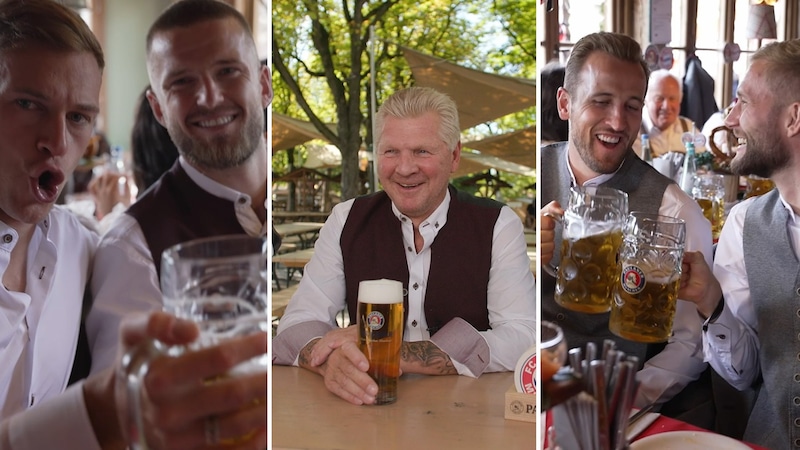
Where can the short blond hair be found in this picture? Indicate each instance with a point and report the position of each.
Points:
(416, 101)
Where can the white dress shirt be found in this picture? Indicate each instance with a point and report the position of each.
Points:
(731, 343)
(62, 423)
(125, 279)
(681, 361)
(39, 327)
(665, 141)
(510, 292)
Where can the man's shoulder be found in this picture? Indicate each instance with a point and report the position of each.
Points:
(65, 223)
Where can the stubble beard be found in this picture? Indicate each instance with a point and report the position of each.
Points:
(222, 152)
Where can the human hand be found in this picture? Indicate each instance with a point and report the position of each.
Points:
(698, 284)
(108, 189)
(547, 231)
(330, 342)
(342, 365)
(192, 401)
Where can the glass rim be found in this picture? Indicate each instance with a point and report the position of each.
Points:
(177, 249)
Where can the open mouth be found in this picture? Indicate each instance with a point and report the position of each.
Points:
(216, 122)
(609, 141)
(46, 185)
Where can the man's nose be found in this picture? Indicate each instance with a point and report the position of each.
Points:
(54, 136)
(209, 94)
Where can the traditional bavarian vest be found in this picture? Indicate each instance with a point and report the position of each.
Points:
(175, 210)
(645, 188)
(773, 275)
(461, 256)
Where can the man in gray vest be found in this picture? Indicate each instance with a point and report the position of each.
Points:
(751, 301)
(470, 301)
(602, 98)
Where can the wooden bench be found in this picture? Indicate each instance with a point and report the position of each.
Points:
(280, 300)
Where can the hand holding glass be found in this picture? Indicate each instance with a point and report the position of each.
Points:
(220, 284)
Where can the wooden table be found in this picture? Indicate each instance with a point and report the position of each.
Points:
(436, 412)
(306, 232)
(292, 261)
(311, 216)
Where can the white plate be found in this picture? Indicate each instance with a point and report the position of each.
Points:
(687, 440)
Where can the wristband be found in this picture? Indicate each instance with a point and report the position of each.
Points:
(715, 314)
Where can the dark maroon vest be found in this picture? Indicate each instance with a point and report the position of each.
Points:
(175, 210)
(461, 256)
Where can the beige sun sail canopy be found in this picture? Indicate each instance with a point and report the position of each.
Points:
(480, 96)
(288, 132)
(516, 147)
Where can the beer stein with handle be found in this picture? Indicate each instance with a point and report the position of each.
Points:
(591, 236)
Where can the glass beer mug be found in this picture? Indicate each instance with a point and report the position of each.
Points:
(650, 274)
(380, 333)
(592, 233)
(220, 283)
(708, 191)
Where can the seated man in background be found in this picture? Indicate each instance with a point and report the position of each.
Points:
(47, 121)
(470, 300)
(214, 112)
(663, 124)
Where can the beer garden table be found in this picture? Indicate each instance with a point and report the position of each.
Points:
(445, 412)
(306, 232)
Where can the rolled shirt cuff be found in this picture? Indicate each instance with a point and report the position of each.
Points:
(286, 346)
(465, 346)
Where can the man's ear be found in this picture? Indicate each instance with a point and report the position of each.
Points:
(562, 103)
(793, 120)
(156, 107)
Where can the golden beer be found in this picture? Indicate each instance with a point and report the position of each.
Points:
(588, 272)
(643, 310)
(758, 186)
(380, 333)
(714, 211)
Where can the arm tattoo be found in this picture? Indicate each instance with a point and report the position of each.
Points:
(426, 354)
(304, 358)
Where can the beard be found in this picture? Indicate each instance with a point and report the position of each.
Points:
(586, 151)
(222, 152)
(765, 153)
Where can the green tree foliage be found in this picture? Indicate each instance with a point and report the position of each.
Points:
(321, 60)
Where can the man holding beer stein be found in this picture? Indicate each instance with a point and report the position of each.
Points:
(750, 335)
(602, 98)
(469, 305)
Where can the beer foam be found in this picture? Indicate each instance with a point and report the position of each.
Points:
(380, 292)
(579, 229)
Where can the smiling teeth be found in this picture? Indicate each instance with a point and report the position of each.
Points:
(608, 139)
(742, 141)
(216, 122)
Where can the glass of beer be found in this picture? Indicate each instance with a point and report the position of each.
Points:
(380, 333)
(757, 186)
(591, 236)
(709, 192)
(650, 270)
(220, 283)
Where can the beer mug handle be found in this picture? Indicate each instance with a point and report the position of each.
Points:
(134, 367)
(550, 269)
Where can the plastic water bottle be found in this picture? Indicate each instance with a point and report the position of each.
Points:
(647, 153)
(689, 169)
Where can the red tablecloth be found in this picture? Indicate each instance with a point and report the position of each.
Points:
(661, 425)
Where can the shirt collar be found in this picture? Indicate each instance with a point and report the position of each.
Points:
(211, 186)
(438, 217)
(596, 181)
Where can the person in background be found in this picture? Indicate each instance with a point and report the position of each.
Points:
(471, 295)
(152, 150)
(749, 302)
(47, 121)
(554, 128)
(602, 98)
(209, 89)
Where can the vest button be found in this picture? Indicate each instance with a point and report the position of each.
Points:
(7, 238)
(560, 317)
(796, 401)
(797, 377)
(797, 442)
(797, 422)
(414, 323)
(797, 291)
